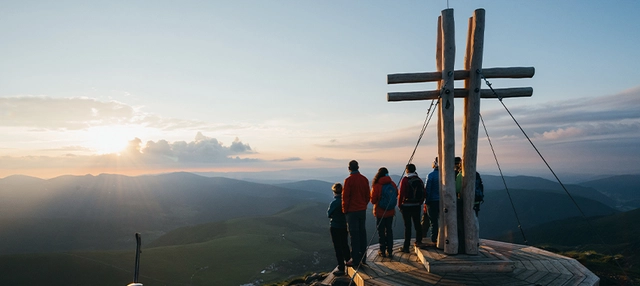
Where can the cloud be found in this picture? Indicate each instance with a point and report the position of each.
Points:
(238, 147)
(290, 159)
(366, 142)
(160, 148)
(325, 159)
(570, 132)
(594, 130)
(563, 130)
(71, 149)
(171, 124)
(612, 116)
(62, 113)
(598, 134)
(48, 113)
(202, 150)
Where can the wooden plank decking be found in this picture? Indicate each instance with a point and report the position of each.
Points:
(487, 260)
(498, 263)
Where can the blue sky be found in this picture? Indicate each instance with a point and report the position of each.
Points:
(137, 87)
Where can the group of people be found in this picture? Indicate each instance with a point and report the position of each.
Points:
(347, 212)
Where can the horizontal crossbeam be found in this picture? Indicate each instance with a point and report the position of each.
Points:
(460, 93)
(512, 72)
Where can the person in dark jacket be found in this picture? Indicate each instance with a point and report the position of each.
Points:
(338, 229)
(432, 204)
(410, 206)
(355, 199)
(384, 215)
(479, 187)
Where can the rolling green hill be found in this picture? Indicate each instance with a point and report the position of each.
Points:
(607, 245)
(237, 251)
(70, 213)
(625, 189)
(216, 231)
(317, 186)
(616, 229)
(536, 183)
(534, 207)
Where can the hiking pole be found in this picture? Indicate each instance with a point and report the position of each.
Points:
(136, 272)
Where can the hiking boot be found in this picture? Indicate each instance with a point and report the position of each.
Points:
(382, 253)
(404, 249)
(349, 263)
(426, 245)
(338, 273)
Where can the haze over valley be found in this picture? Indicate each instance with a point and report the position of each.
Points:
(95, 217)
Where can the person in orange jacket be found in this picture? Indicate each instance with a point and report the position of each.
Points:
(384, 197)
(355, 199)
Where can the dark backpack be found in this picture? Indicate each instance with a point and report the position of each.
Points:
(415, 192)
(388, 197)
(479, 189)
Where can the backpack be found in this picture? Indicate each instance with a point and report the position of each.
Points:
(388, 197)
(479, 189)
(415, 193)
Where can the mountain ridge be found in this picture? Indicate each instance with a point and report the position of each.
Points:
(189, 222)
(100, 212)
(111, 207)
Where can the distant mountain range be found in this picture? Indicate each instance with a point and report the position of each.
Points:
(624, 189)
(499, 214)
(189, 221)
(101, 212)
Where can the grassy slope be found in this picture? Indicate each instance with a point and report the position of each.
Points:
(614, 229)
(234, 256)
(534, 207)
(316, 186)
(64, 269)
(86, 213)
(603, 244)
(623, 188)
(536, 183)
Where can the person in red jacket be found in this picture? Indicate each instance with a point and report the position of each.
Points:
(355, 198)
(384, 213)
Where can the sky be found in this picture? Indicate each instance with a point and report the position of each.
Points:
(146, 87)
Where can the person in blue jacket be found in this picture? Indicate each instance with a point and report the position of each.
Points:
(338, 229)
(432, 191)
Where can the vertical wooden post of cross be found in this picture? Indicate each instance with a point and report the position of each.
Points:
(441, 241)
(446, 109)
(473, 63)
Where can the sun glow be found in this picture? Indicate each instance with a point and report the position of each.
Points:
(110, 139)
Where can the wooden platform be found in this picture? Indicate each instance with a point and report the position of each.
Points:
(498, 263)
(487, 260)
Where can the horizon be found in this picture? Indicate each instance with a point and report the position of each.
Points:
(333, 175)
(126, 88)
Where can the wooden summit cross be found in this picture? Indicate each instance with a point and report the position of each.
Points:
(445, 76)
